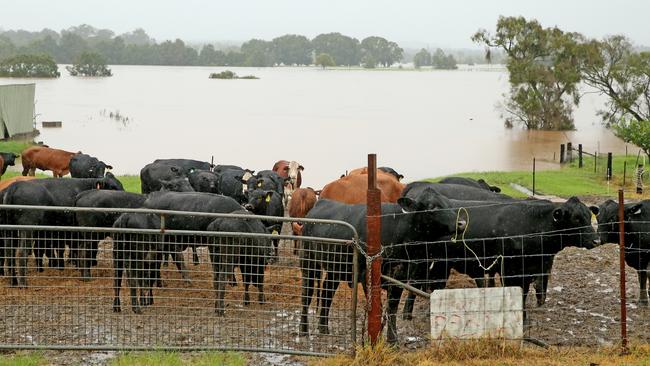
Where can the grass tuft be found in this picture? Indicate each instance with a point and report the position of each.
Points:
(23, 359)
(161, 358)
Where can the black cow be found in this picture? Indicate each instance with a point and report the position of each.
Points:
(267, 203)
(409, 221)
(204, 181)
(187, 201)
(176, 185)
(267, 180)
(482, 184)
(138, 256)
(392, 172)
(9, 160)
(250, 254)
(637, 237)
(232, 184)
(455, 191)
(97, 198)
(152, 174)
(48, 192)
(220, 168)
(187, 165)
(86, 166)
(521, 237)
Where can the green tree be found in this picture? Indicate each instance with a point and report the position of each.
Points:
(422, 58)
(544, 66)
(71, 46)
(324, 60)
(137, 37)
(617, 71)
(29, 66)
(368, 61)
(292, 49)
(7, 48)
(89, 64)
(211, 57)
(635, 132)
(441, 61)
(259, 53)
(345, 50)
(381, 50)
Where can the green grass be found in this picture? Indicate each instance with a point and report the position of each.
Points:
(14, 146)
(131, 183)
(23, 359)
(569, 180)
(160, 358)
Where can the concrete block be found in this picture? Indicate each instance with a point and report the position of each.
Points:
(467, 313)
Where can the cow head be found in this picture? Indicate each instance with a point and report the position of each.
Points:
(392, 172)
(432, 215)
(637, 216)
(573, 221)
(488, 187)
(608, 222)
(258, 201)
(176, 185)
(204, 181)
(9, 158)
(110, 182)
(98, 169)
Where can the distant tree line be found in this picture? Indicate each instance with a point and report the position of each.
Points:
(138, 48)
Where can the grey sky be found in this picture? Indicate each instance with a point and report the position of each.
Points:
(411, 23)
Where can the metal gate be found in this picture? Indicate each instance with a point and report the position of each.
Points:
(223, 290)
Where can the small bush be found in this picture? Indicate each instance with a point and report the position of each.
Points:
(230, 75)
(29, 66)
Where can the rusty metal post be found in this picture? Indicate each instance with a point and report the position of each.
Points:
(621, 249)
(373, 217)
(533, 177)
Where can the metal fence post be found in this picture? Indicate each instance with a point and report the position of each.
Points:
(609, 166)
(533, 177)
(561, 153)
(621, 248)
(569, 152)
(373, 237)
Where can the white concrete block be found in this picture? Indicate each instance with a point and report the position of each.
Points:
(466, 313)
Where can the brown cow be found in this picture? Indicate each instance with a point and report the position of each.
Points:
(380, 170)
(302, 200)
(6, 183)
(353, 189)
(45, 158)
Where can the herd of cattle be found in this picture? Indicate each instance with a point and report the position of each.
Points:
(427, 229)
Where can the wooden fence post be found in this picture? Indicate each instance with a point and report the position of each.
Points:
(562, 154)
(579, 155)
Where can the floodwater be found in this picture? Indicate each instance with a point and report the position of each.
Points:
(424, 124)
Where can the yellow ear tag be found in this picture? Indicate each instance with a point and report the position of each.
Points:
(268, 199)
(275, 232)
(259, 184)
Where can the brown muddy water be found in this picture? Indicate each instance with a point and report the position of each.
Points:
(424, 124)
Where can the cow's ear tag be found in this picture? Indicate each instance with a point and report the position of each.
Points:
(259, 184)
(268, 198)
(274, 232)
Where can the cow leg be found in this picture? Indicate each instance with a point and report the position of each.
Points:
(180, 265)
(394, 295)
(21, 259)
(83, 253)
(118, 267)
(221, 277)
(330, 285)
(195, 255)
(132, 274)
(407, 312)
(541, 284)
(308, 276)
(643, 290)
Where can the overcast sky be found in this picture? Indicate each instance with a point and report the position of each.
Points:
(412, 23)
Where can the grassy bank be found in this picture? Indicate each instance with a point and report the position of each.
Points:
(14, 146)
(570, 180)
(487, 352)
(154, 358)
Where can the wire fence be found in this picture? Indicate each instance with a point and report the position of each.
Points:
(141, 286)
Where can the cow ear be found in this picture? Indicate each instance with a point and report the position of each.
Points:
(174, 169)
(300, 167)
(109, 167)
(286, 168)
(594, 209)
(259, 182)
(557, 214)
(633, 210)
(268, 195)
(407, 204)
(318, 192)
(400, 177)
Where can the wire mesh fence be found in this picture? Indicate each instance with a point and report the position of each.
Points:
(570, 286)
(140, 286)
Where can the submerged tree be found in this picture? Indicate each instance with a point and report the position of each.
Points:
(545, 68)
(422, 58)
(324, 60)
(89, 64)
(29, 66)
